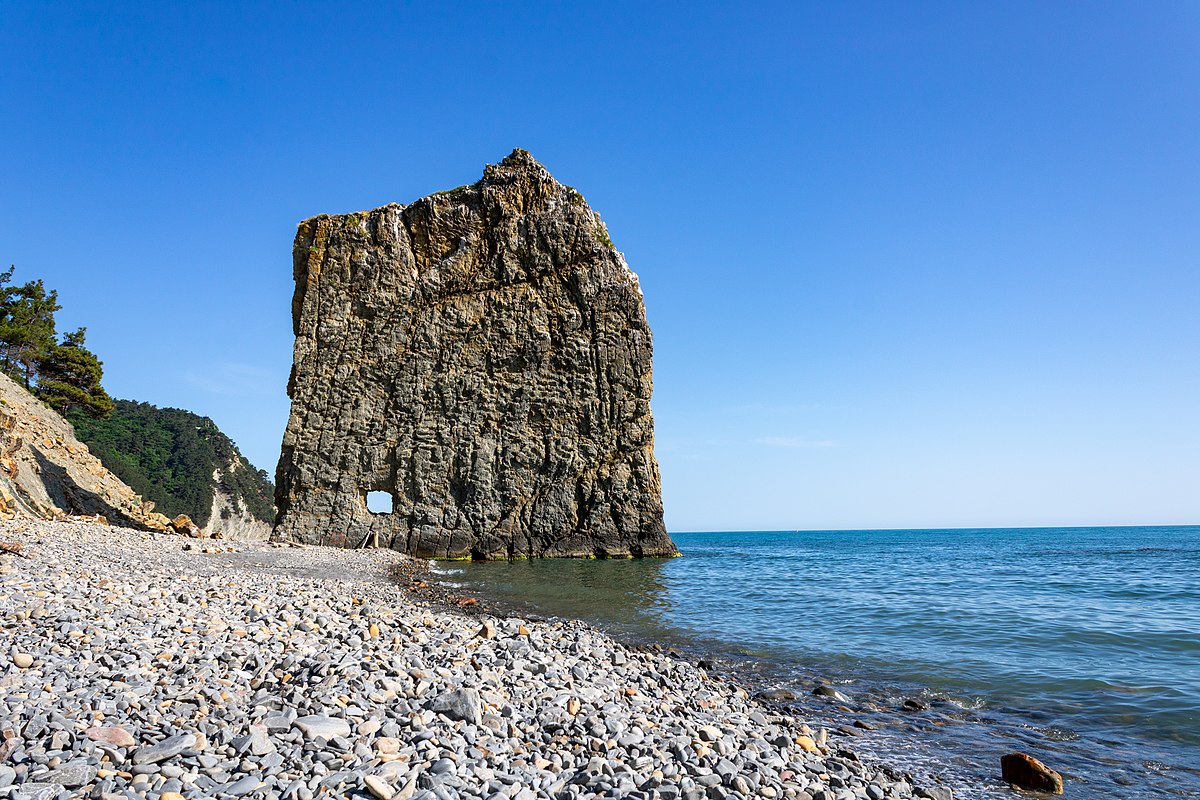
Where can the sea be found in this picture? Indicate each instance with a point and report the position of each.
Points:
(1079, 646)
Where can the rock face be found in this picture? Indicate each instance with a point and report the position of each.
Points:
(46, 473)
(482, 356)
(231, 519)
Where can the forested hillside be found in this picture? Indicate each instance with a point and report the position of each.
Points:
(175, 458)
(171, 456)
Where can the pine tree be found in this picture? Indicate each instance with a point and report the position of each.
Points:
(26, 327)
(69, 377)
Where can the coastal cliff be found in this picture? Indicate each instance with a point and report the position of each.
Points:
(482, 357)
(46, 473)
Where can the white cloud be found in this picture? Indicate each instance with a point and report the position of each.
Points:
(795, 441)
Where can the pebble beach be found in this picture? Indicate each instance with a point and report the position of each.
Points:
(150, 666)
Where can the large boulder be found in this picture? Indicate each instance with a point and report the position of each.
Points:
(482, 357)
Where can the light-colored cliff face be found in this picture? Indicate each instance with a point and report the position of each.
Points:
(483, 357)
(46, 473)
(231, 520)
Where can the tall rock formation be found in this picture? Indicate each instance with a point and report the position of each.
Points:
(482, 356)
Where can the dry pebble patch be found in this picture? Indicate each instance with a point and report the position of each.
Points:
(131, 668)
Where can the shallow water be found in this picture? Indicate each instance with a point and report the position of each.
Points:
(1080, 646)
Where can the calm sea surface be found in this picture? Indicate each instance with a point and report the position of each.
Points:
(1080, 646)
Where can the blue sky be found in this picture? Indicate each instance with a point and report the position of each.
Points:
(907, 264)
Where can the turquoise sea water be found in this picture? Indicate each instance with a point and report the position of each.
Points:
(1078, 645)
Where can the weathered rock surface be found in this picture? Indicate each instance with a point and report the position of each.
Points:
(1026, 772)
(482, 356)
(230, 518)
(46, 473)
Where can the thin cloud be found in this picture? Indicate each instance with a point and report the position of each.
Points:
(233, 379)
(780, 408)
(795, 441)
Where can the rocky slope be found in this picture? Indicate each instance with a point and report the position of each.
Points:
(46, 473)
(183, 463)
(483, 357)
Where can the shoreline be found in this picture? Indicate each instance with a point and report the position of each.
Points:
(1013, 675)
(141, 668)
(852, 725)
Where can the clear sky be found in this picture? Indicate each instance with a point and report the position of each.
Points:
(907, 264)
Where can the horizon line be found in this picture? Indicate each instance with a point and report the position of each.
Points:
(949, 528)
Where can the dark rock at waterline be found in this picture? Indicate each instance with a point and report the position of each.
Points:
(1026, 772)
(915, 705)
(829, 691)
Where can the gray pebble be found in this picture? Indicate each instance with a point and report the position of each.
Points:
(292, 672)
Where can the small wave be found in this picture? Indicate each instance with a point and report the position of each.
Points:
(967, 703)
(1057, 734)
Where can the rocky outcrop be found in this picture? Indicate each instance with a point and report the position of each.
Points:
(230, 517)
(46, 473)
(482, 356)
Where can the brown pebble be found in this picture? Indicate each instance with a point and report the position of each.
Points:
(806, 744)
(111, 734)
(1026, 772)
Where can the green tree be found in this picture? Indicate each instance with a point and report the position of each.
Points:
(64, 375)
(68, 376)
(26, 327)
(177, 459)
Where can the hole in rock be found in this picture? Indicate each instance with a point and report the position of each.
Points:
(379, 502)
